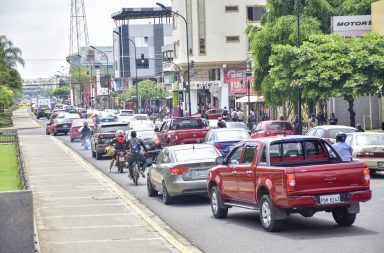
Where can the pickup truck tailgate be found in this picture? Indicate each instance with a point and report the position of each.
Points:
(340, 177)
(190, 135)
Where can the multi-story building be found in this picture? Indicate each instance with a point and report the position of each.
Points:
(218, 48)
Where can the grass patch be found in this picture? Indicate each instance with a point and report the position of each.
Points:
(9, 170)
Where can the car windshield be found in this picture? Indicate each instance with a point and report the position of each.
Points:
(192, 154)
(370, 139)
(232, 135)
(331, 133)
(113, 128)
(108, 119)
(236, 125)
(279, 126)
(142, 124)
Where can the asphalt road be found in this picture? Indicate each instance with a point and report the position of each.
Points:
(241, 231)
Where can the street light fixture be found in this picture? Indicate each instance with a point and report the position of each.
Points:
(108, 78)
(189, 69)
(137, 88)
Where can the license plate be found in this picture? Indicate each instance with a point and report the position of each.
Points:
(380, 165)
(330, 199)
(200, 174)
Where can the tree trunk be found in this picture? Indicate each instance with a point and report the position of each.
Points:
(351, 112)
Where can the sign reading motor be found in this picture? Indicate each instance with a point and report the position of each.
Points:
(348, 26)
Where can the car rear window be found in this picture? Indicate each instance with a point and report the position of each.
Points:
(192, 154)
(187, 123)
(370, 139)
(279, 126)
(331, 133)
(232, 135)
(63, 121)
(113, 128)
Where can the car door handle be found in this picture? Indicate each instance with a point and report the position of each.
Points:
(234, 172)
(249, 172)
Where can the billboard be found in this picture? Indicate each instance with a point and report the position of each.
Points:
(237, 80)
(90, 56)
(348, 26)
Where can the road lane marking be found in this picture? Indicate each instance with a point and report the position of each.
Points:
(124, 195)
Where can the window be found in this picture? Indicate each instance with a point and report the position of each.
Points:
(232, 8)
(232, 39)
(292, 151)
(314, 150)
(234, 156)
(255, 13)
(279, 126)
(214, 74)
(202, 41)
(249, 154)
(141, 41)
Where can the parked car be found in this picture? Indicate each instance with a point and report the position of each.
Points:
(43, 111)
(181, 170)
(272, 128)
(278, 176)
(58, 125)
(328, 132)
(225, 138)
(103, 135)
(77, 124)
(181, 130)
(368, 148)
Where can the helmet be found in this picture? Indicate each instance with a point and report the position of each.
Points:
(340, 137)
(133, 134)
(119, 133)
(85, 123)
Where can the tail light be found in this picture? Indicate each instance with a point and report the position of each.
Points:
(218, 147)
(291, 182)
(157, 142)
(367, 177)
(365, 154)
(267, 133)
(178, 171)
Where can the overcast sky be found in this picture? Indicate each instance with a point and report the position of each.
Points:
(41, 28)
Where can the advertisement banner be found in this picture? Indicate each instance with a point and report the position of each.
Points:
(237, 81)
(348, 26)
(91, 56)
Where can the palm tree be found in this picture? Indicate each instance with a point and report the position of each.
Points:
(9, 55)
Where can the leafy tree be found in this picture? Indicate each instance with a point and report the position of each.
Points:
(6, 96)
(330, 65)
(147, 89)
(9, 55)
(61, 91)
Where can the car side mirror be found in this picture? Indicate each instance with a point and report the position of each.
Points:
(220, 160)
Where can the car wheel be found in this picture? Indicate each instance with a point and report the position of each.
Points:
(54, 133)
(46, 132)
(72, 140)
(267, 215)
(151, 192)
(342, 217)
(93, 153)
(98, 156)
(166, 198)
(217, 203)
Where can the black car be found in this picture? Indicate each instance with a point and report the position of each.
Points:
(43, 111)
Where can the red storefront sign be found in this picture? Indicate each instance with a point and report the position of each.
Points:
(237, 81)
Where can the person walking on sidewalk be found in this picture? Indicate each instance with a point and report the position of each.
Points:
(121, 145)
(135, 155)
(224, 115)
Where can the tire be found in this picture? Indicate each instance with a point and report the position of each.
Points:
(267, 215)
(54, 133)
(99, 156)
(216, 204)
(46, 132)
(166, 198)
(93, 153)
(135, 174)
(151, 192)
(120, 166)
(343, 218)
(72, 140)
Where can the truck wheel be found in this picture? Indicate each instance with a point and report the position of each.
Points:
(342, 217)
(216, 203)
(267, 215)
(151, 192)
(166, 198)
(98, 156)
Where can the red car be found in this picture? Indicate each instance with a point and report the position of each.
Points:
(272, 128)
(76, 125)
(59, 125)
(211, 114)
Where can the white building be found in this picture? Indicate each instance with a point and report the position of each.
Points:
(218, 45)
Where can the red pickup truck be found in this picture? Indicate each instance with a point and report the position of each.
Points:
(278, 176)
(181, 130)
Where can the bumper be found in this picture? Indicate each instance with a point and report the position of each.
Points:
(346, 199)
(176, 186)
(371, 163)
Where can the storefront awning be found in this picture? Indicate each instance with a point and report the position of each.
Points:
(252, 99)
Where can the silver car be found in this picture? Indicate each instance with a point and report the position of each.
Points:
(181, 170)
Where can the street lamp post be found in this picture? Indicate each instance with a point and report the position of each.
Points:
(109, 84)
(91, 79)
(298, 87)
(137, 88)
(248, 74)
(189, 74)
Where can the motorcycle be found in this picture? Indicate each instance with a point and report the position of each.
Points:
(86, 143)
(120, 161)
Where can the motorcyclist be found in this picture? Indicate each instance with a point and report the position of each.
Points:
(121, 145)
(135, 154)
(86, 133)
(342, 148)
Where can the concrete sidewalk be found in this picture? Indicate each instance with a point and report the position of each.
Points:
(22, 119)
(79, 209)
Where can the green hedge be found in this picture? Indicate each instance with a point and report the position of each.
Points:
(9, 170)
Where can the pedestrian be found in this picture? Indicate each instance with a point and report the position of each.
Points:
(320, 118)
(234, 116)
(312, 121)
(281, 117)
(251, 118)
(332, 120)
(203, 115)
(224, 115)
(240, 116)
(296, 125)
(221, 124)
(359, 128)
(342, 148)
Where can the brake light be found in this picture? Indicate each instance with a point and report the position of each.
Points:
(291, 182)
(178, 171)
(365, 154)
(218, 147)
(367, 177)
(157, 142)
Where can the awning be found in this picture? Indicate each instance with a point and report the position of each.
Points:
(252, 99)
